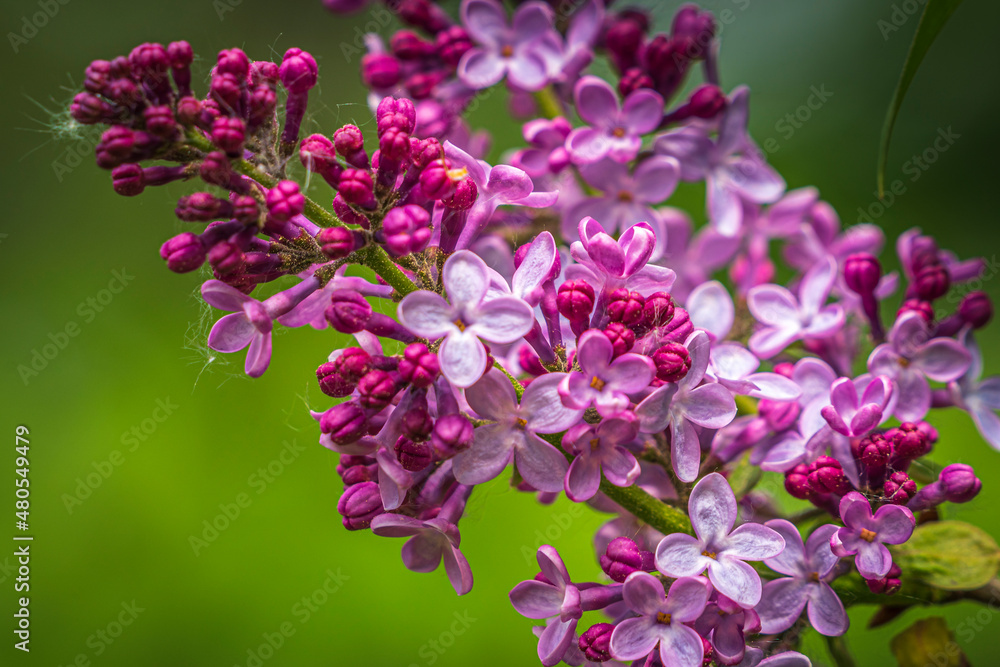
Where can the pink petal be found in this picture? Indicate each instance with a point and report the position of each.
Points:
(642, 111)
(596, 101)
(773, 304)
(711, 308)
(736, 580)
(826, 612)
(426, 314)
(484, 20)
(587, 145)
(396, 525)
(463, 358)
(681, 646)
(725, 209)
(790, 560)
(542, 465)
(816, 284)
(781, 604)
(222, 296)
(583, 478)
(231, 333)
(536, 267)
(492, 397)
(643, 593)
(465, 278)
(679, 555)
(491, 451)
(555, 640)
(458, 570)
(535, 599)
(710, 406)
(687, 598)
(943, 360)
(501, 320)
(754, 541)
(542, 407)
(634, 638)
(894, 524)
(639, 240)
(422, 553)
(259, 355)
(873, 560)
(685, 450)
(712, 507)
(481, 69)
(769, 341)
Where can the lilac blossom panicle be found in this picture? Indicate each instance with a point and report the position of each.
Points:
(554, 320)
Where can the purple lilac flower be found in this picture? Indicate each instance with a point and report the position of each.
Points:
(514, 433)
(613, 130)
(783, 600)
(864, 536)
(662, 620)
(910, 358)
(731, 165)
(755, 658)
(980, 398)
(735, 367)
(787, 318)
(547, 154)
(467, 318)
(604, 381)
(600, 448)
(711, 308)
(432, 541)
(608, 264)
(251, 321)
(694, 259)
(717, 547)
(684, 404)
(505, 50)
(726, 625)
(859, 405)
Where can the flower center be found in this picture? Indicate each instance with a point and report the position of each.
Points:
(710, 554)
(597, 383)
(457, 174)
(867, 535)
(625, 196)
(904, 362)
(814, 576)
(594, 443)
(522, 423)
(662, 618)
(460, 324)
(618, 132)
(507, 51)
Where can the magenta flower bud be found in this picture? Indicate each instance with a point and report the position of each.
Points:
(413, 456)
(623, 39)
(202, 207)
(976, 309)
(827, 476)
(622, 338)
(227, 90)
(625, 306)
(899, 488)
(395, 144)
(922, 308)
(419, 366)
(658, 310)
(679, 327)
(932, 282)
(344, 423)
(298, 71)
(634, 79)
(706, 101)
(357, 469)
(406, 229)
(595, 642)
(464, 196)
(887, 585)
(529, 361)
(285, 201)
(188, 110)
(408, 45)
(623, 557)
(233, 61)
(417, 423)
(424, 14)
(575, 300)
(779, 415)
(149, 63)
(181, 55)
(215, 169)
(348, 141)
(359, 505)
(128, 180)
(183, 253)
(959, 483)
(264, 71)
(452, 434)
(376, 390)
(335, 242)
(96, 76)
(115, 147)
(229, 133)
(451, 44)
(695, 26)
(424, 151)
(246, 209)
(160, 121)
(347, 215)
(672, 362)
(263, 101)
(399, 113)
(797, 482)
(225, 257)
(348, 311)
(380, 71)
(88, 108)
(862, 272)
(319, 156)
(436, 182)
(333, 382)
(908, 441)
(356, 188)
(873, 452)
(353, 362)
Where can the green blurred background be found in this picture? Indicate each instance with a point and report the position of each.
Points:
(65, 232)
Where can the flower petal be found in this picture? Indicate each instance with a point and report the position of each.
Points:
(781, 604)
(679, 555)
(712, 507)
(231, 333)
(792, 558)
(426, 314)
(635, 638)
(736, 580)
(540, 464)
(536, 599)
(491, 451)
(465, 279)
(826, 612)
(492, 397)
(502, 320)
(643, 593)
(463, 358)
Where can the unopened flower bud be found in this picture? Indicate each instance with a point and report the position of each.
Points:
(406, 229)
(285, 201)
(413, 456)
(359, 504)
(348, 311)
(672, 362)
(899, 488)
(419, 366)
(932, 282)
(376, 390)
(625, 306)
(976, 309)
(344, 423)
(183, 253)
(595, 642)
(452, 434)
(623, 557)
(622, 338)
(959, 483)
(862, 273)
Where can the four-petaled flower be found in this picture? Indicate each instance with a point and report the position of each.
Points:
(614, 130)
(512, 50)
(980, 398)
(599, 448)
(864, 536)
(859, 405)
(604, 382)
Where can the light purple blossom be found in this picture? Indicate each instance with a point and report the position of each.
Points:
(513, 436)
(755, 658)
(608, 264)
(711, 308)
(980, 398)
(735, 367)
(662, 620)
(613, 130)
(784, 599)
(684, 404)
(910, 358)
(696, 258)
(787, 319)
(505, 49)
(864, 536)
(310, 310)
(859, 405)
(547, 154)
(731, 165)
(600, 448)
(466, 319)
(727, 624)
(604, 382)
(717, 547)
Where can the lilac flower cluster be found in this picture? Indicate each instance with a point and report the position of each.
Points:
(584, 334)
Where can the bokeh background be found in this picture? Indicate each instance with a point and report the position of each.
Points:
(124, 538)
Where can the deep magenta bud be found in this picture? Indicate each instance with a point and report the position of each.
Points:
(658, 309)
(679, 327)
(263, 102)
(406, 229)
(188, 110)
(862, 272)
(298, 71)
(408, 45)
(357, 469)
(672, 362)
(160, 121)
(395, 144)
(436, 182)
(623, 557)
(202, 207)
(622, 338)
(348, 311)
(95, 77)
(452, 44)
(908, 441)
(797, 482)
(899, 488)
(285, 201)
(89, 109)
(779, 415)
(419, 366)
(183, 253)
(227, 90)
(827, 476)
(376, 390)
(976, 309)
(595, 642)
(356, 187)
(333, 382)
(348, 140)
(229, 133)
(128, 179)
(413, 456)
(399, 113)
(344, 423)
(359, 505)
(464, 196)
(233, 61)
(873, 451)
(932, 282)
(887, 585)
(922, 308)
(215, 169)
(959, 483)
(115, 147)
(335, 242)
(575, 300)
(319, 155)
(380, 71)
(633, 79)
(706, 101)
(225, 257)
(625, 307)
(452, 434)
(246, 209)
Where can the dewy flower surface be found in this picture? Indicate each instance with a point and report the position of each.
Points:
(554, 321)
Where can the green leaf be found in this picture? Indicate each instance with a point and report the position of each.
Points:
(936, 14)
(928, 642)
(951, 555)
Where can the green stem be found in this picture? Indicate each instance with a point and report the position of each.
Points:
(839, 652)
(548, 102)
